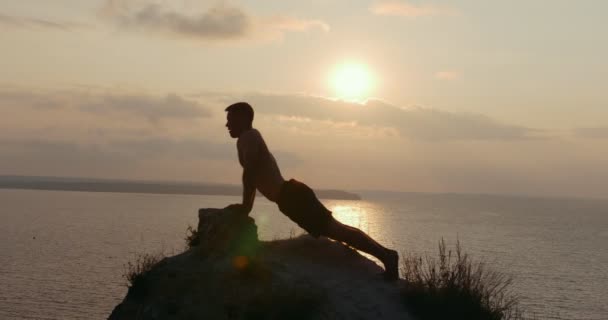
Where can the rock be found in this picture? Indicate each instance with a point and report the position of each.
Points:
(223, 231)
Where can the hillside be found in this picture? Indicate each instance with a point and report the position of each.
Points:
(228, 274)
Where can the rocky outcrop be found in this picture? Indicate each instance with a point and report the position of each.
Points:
(226, 232)
(229, 274)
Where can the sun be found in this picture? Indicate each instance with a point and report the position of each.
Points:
(351, 81)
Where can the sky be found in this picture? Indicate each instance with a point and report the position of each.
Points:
(504, 97)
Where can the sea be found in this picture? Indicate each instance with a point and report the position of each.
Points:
(63, 254)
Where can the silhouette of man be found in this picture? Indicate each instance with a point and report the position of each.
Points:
(295, 199)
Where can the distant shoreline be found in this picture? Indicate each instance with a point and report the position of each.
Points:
(150, 187)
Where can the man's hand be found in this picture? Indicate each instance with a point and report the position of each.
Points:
(239, 207)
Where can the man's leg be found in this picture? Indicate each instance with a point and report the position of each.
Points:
(361, 241)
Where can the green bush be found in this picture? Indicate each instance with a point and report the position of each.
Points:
(454, 287)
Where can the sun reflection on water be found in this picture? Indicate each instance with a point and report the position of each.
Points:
(354, 216)
(361, 215)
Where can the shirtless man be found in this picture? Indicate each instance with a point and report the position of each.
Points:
(295, 199)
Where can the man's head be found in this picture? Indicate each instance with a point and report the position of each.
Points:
(240, 118)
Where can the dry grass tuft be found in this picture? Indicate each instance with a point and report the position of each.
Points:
(192, 237)
(453, 286)
(137, 273)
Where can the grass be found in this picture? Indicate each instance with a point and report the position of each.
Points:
(137, 273)
(453, 286)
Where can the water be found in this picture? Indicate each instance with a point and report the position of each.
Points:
(62, 254)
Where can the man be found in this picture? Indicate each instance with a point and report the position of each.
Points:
(295, 199)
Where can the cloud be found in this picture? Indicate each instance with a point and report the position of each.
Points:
(221, 22)
(150, 107)
(25, 22)
(285, 23)
(405, 9)
(95, 132)
(133, 109)
(47, 157)
(153, 108)
(188, 148)
(591, 132)
(447, 75)
(414, 123)
(99, 133)
(119, 157)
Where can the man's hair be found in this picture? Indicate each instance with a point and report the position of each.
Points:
(242, 108)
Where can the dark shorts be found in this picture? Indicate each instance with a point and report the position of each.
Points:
(300, 204)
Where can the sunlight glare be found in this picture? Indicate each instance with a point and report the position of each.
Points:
(350, 215)
(351, 82)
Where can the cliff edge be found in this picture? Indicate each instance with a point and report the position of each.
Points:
(228, 274)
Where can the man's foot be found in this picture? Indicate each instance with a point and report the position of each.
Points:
(391, 266)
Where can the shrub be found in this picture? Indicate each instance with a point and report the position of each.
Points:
(192, 237)
(455, 287)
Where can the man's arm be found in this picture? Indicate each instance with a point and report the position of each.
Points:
(248, 156)
(248, 188)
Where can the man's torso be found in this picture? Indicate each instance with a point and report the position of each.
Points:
(254, 153)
